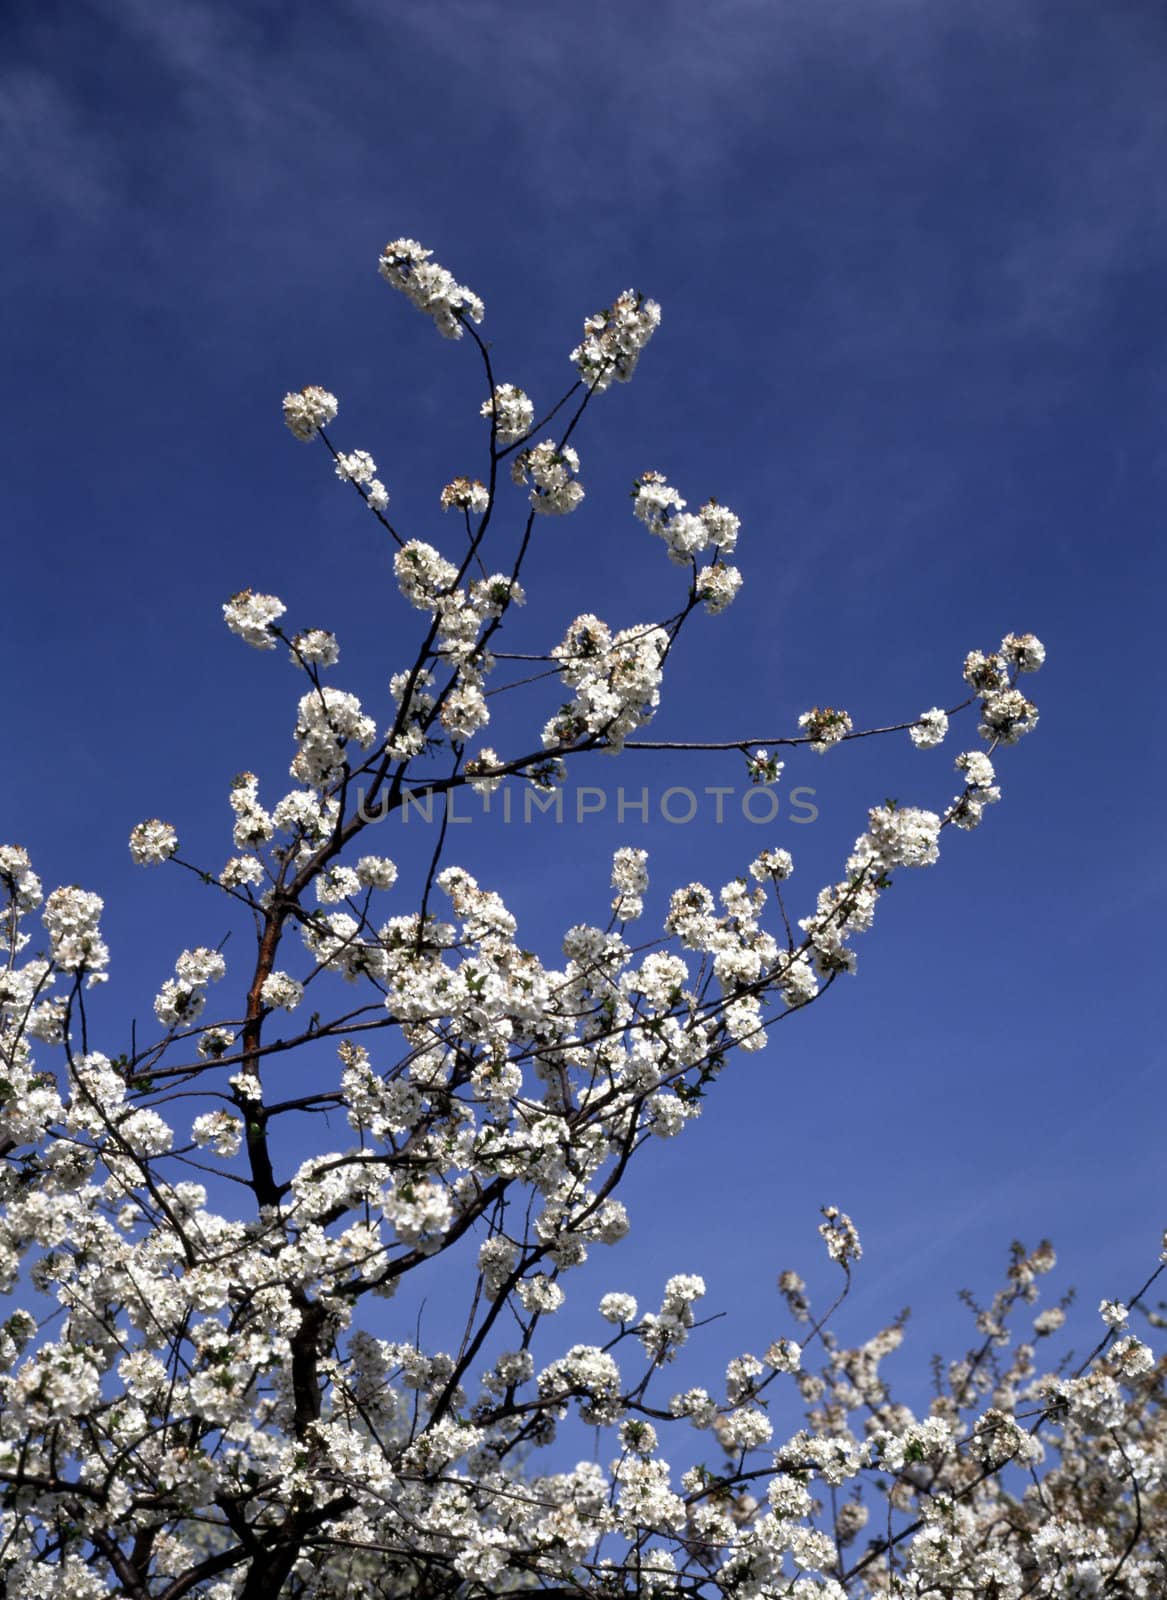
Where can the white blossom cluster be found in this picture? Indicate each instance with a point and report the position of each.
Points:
(968, 808)
(616, 678)
(153, 842)
(71, 918)
(408, 266)
(825, 726)
(327, 721)
(181, 999)
(1006, 714)
(718, 585)
(465, 494)
(308, 410)
(630, 880)
(687, 534)
(315, 647)
(359, 468)
(281, 992)
(252, 617)
(512, 412)
(356, 467)
(430, 583)
(423, 575)
(613, 339)
(929, 729)
(211, 1406)
(550, 470)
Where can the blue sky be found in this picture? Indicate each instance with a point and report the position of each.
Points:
(911, 261)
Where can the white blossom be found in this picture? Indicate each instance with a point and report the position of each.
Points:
(408, 266)
(222, 1131)
(281, 992)
(718, 587)
(614, 338)
(618, 1308)
(465, 494)
(152, 842)
(308, 410)
(929, 728)
(356, 467)
(252, 617)
(824, 727)
(197, 1227)
(551, 471)
(316, 647)
(513, 411)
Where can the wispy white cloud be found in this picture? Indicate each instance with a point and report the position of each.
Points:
(48, 153)
(1102, 208)
(778, 112)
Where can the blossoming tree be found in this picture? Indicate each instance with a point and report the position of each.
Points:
(196, 1396)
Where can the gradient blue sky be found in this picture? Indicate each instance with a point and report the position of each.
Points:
(911, 257)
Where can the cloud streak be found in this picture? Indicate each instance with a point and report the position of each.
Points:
(619, 117)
